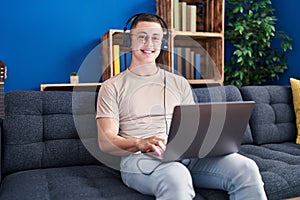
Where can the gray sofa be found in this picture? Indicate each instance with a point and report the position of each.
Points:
(49, 145)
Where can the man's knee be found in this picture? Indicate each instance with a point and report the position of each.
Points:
(248, 172)
(244, 164)
(249, 166)
(176, 181)
(248, 180)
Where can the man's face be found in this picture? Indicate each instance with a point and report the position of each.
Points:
(146, 40)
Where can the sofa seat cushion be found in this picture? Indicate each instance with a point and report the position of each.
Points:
(90, 182)
(279, 165)
(78, 182)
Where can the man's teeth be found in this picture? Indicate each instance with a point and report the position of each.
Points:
(147, 51)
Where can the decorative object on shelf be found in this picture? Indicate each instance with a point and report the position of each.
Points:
(256, 57)
(74, 78)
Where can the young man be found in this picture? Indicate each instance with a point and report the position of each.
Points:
(134, 111)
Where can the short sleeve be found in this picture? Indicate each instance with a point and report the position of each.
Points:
(107, 105)
(187, 94)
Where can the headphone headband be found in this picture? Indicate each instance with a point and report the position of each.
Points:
(133, 18)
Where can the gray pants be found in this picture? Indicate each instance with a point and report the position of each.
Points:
(234, 173)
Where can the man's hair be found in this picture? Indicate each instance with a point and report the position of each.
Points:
(147, 18)
(160, 60)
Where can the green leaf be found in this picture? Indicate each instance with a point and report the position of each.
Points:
(241, 9)
(236, 10)
(251, 30)
(240, 59)
(235, 74)
(241, 76)
(237, 52)
(261, 53)
(250, 13)
(240, 29)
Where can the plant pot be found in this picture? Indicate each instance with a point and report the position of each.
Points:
(74, 79)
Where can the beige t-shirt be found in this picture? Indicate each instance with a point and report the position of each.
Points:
(137, 102)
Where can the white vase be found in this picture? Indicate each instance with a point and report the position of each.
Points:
(74, 79)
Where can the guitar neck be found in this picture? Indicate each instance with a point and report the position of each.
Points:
(1, 100)
(2, 78)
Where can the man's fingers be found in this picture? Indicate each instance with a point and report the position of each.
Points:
(162, 145)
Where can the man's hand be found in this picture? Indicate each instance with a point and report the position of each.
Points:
(110, 142)
(152, 144)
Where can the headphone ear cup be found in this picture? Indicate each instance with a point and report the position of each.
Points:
(126, 40)
(164, 43)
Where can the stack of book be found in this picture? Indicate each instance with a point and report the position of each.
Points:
(188, 17)
(187, 63)
(121, 60)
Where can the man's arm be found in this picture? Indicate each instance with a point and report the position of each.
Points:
(109, 141)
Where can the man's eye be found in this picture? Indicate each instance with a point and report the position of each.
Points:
(155, 38)
(142, 37)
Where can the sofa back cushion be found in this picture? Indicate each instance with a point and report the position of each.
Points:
(273, 118)
(221, 94)
(40, 130)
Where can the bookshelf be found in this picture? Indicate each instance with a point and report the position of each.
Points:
(110, 38)
(207, 39)
(204, 41)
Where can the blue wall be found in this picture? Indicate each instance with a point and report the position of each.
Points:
(288, 15)
(43, 41)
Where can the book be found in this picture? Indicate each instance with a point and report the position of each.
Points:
(193, 16)
(128, 57)
(192, 65)
(188, 17)
(183, 62)
(179, 60)
(116, 59)
(176, 14)
(179, 16)
(175, 67)
(188, 63)
(183, 15)
(197, 66)
(122, 61)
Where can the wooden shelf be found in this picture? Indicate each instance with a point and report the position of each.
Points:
(70, 87)
(198, 34)
(204, 82)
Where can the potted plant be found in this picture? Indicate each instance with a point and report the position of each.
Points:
(74, 78)
(256, 58)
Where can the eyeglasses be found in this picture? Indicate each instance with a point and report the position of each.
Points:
(143, 38)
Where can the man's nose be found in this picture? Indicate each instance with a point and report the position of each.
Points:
(147, 40)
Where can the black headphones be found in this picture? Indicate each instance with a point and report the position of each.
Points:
(127, 38)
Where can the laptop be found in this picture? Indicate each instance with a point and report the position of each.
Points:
(206, 130)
